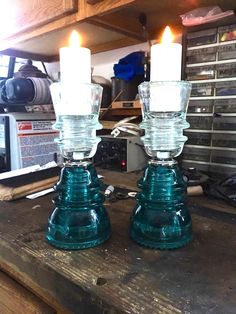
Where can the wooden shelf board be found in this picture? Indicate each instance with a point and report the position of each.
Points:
(107, 25)
(125, 112)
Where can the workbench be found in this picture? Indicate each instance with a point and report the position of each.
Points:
(118, 276)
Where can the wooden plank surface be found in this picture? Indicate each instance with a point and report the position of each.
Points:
(43, 22)
(20, 186)
(23, 15)
(119, 276)
(14, 299)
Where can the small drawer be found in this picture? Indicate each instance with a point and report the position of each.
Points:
(224, 140)
(200, 122)
(200, 106)
(201, 55)
(200, 73)
(227, 33)
(225, 105)
(197, 138)
(227, 52)
(202, 89)
(224, 123)
(225, 88)
(204, 37)
(226, 70)
(223, 157)
(196, 154)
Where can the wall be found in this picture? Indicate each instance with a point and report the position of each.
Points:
(102, 63)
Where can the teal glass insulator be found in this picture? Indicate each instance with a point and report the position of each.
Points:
(79, 219)
(161, 219)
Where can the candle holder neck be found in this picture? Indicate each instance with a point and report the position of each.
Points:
(162, 162)
(75, 163)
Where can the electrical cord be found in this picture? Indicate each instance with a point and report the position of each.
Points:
(124, 125)
(46, 72)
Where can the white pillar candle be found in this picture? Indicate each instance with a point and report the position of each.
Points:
(165, 66)
(166, 59)
(75, 68)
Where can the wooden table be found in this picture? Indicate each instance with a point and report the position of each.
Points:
(118, 276)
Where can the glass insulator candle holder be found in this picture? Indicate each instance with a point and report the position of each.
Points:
(79, 219)
(161, 219)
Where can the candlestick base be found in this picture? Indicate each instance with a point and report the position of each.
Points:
(79, 219)
(161, 219)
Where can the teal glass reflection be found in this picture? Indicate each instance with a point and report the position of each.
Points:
(79, 219)
(161, 219)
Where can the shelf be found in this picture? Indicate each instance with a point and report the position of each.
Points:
(212, 147)
(213, 80)
(211, 144)
(195, 65)
(210, 114)
(210, 131)
(103, 24)
(107, 125)
(209, 163)
(223, 43)
(46, 46)
(229, 61)
(212, 97)
(125, 112)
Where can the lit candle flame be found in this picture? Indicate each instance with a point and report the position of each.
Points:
(75, 39)
(167, 36)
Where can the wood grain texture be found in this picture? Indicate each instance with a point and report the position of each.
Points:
(13, 193)
(116, 22)
(25, 27)
(26, 14)
(69, 5)
(93, 1)
(14, 298)
(24, 37)
(106, 6)
(108, 124)
(119, 276)
(26, 55)
(87, 270)
(114, 44)
(125, 112)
